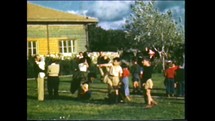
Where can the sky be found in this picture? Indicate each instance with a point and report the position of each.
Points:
(111, 14)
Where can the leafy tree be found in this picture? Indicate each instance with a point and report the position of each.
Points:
(151, 28)
(107, 40)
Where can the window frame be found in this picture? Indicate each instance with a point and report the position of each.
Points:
(68, 45)
(32, 48)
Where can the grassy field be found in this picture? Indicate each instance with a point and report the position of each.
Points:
(68, 107)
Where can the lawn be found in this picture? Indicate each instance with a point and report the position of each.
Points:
(68, 107)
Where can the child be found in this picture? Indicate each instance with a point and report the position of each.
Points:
(84, 92)
(136, 72)
(170, 76)
(147, 83)
(125, 81)
(113, 77)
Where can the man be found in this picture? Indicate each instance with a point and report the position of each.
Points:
(39, 68)
(53, 78)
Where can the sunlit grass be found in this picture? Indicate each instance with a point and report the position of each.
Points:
(68, 107)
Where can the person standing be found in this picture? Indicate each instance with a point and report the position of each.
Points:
(53, 78)
(102, 59)
(125, 81)
(180, 80)
(113, 78)
(147, 83)
(36, 67)
(170, 75)
(40, 69)
(82, 64)
(136, 74)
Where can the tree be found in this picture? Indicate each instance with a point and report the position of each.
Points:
(107, 40)
(151, 28)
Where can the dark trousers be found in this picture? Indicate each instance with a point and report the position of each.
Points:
(53, 85)
(181, 88)
(170, 86)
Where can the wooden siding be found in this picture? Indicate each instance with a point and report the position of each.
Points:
(56, 33)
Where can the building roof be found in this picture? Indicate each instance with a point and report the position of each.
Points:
(39, 14)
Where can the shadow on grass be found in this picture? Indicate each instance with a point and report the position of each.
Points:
(100, 91)
(163, 89)
(66, 81)
(60, 97)
(94, 87)
(31, 97)
(158, 94)
(107, 102)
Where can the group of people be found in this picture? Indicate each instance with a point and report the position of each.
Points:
(174, 79)
(52, 73)
(115, 73)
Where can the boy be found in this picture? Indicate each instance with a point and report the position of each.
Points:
(84, 92)
(147, 83)
(136, 73)
(113, 78)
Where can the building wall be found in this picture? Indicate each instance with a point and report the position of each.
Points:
(56, 33)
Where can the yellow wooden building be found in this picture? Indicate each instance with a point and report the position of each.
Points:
(51, 31)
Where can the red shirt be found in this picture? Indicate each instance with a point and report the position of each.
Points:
(170, 72)
(125, 72)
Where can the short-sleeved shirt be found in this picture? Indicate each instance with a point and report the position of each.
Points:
(147, 73)
(115, 70)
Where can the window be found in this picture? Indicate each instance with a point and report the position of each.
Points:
(67, 46)
(32, 48)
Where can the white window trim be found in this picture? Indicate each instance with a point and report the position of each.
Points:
(67, 47)
(32, 48)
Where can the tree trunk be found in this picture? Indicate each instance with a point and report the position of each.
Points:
(163, 58)
(163, 52)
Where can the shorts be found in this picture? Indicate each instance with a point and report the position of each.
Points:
(148, 84)
(112, 81)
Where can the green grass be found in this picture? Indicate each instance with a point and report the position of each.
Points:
(67, 107)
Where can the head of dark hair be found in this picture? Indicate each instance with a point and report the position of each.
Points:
(85, 54)
(174, 62)
(35, 56)
(116, 59)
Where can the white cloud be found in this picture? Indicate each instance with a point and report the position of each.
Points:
(110, 14)
(107, 25)
(73, 12)
(78, 12)
(110, 11)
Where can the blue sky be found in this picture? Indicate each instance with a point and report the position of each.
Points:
(111, 14)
